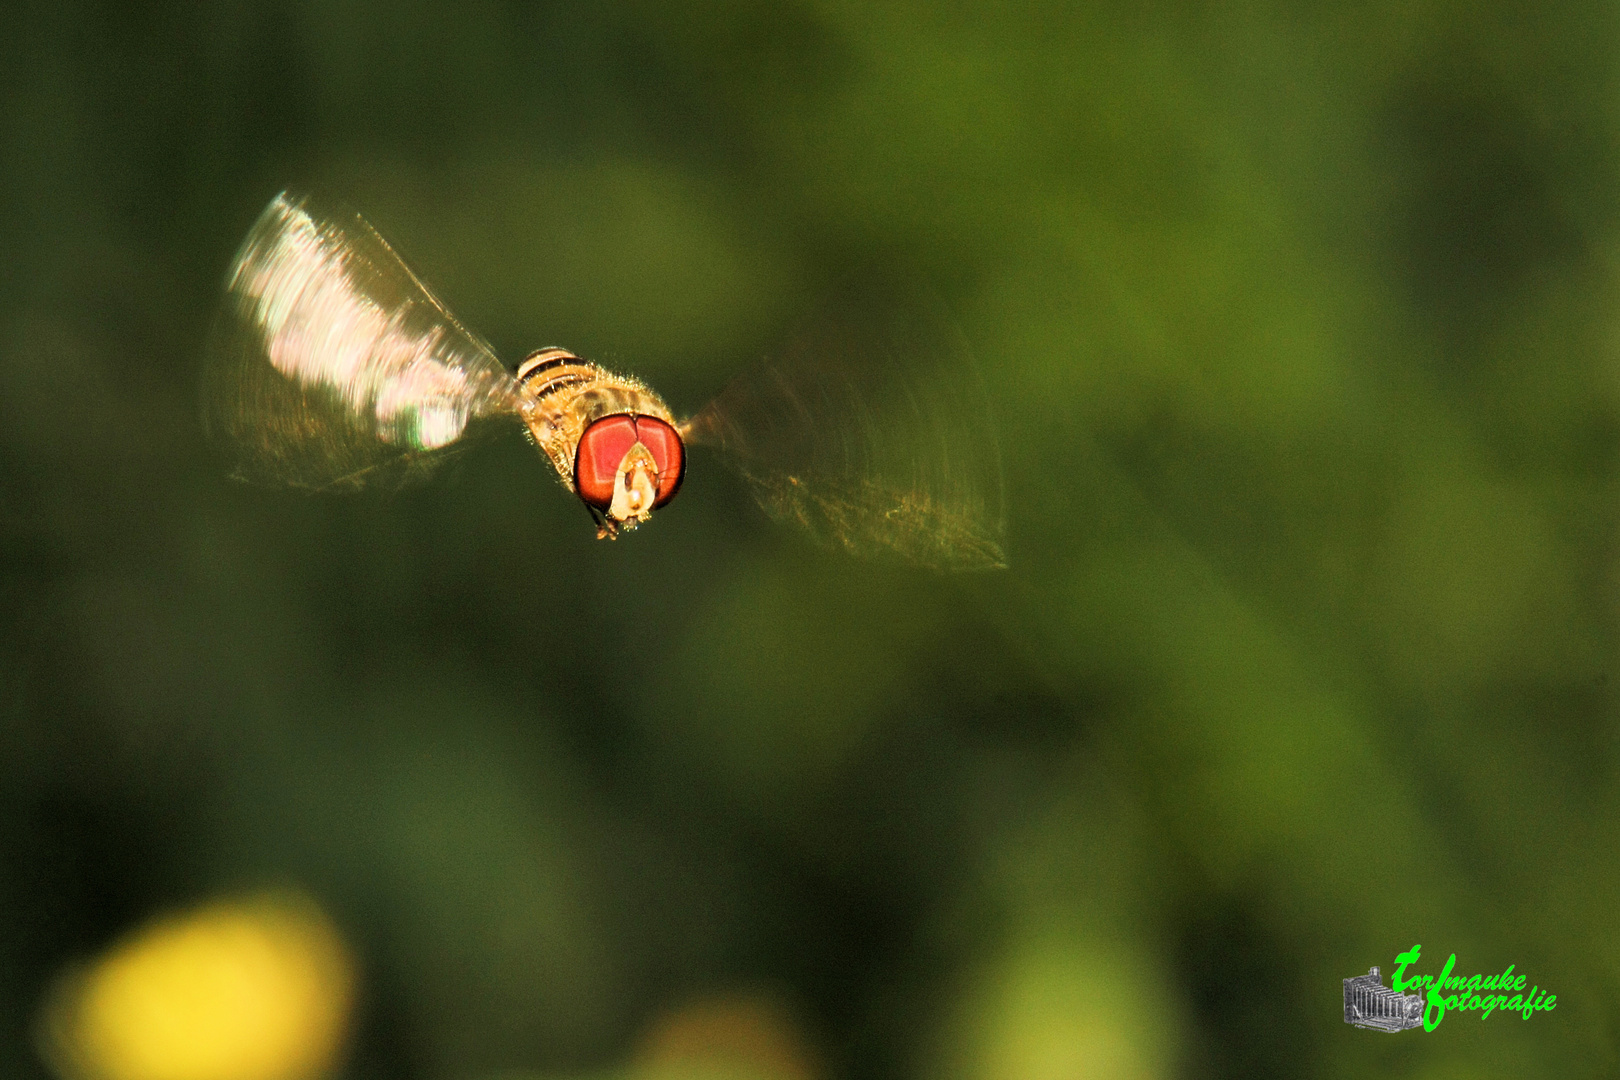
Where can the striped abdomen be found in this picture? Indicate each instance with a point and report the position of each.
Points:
(562, 395)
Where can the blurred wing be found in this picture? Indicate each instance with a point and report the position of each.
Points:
(874, 434)
(332, 366)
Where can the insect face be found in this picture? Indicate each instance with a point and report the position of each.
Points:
(627, 466)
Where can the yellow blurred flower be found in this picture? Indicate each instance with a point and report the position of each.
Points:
(254, 989)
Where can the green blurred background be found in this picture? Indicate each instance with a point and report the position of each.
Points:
(1303, 326)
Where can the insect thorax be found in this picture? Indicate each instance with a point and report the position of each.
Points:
(563, 395)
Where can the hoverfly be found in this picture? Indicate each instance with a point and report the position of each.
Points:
(335, 368)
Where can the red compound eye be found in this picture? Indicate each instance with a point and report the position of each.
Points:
(665, 445)
(602, 449)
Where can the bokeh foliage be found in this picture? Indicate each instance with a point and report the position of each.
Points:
(1301, 325)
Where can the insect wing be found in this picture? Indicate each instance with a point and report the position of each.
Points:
(333, 366)
(874, 434)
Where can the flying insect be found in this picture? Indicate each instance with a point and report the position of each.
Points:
(334, 368)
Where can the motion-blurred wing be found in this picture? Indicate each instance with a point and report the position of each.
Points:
(874, 434)
(333, 367)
